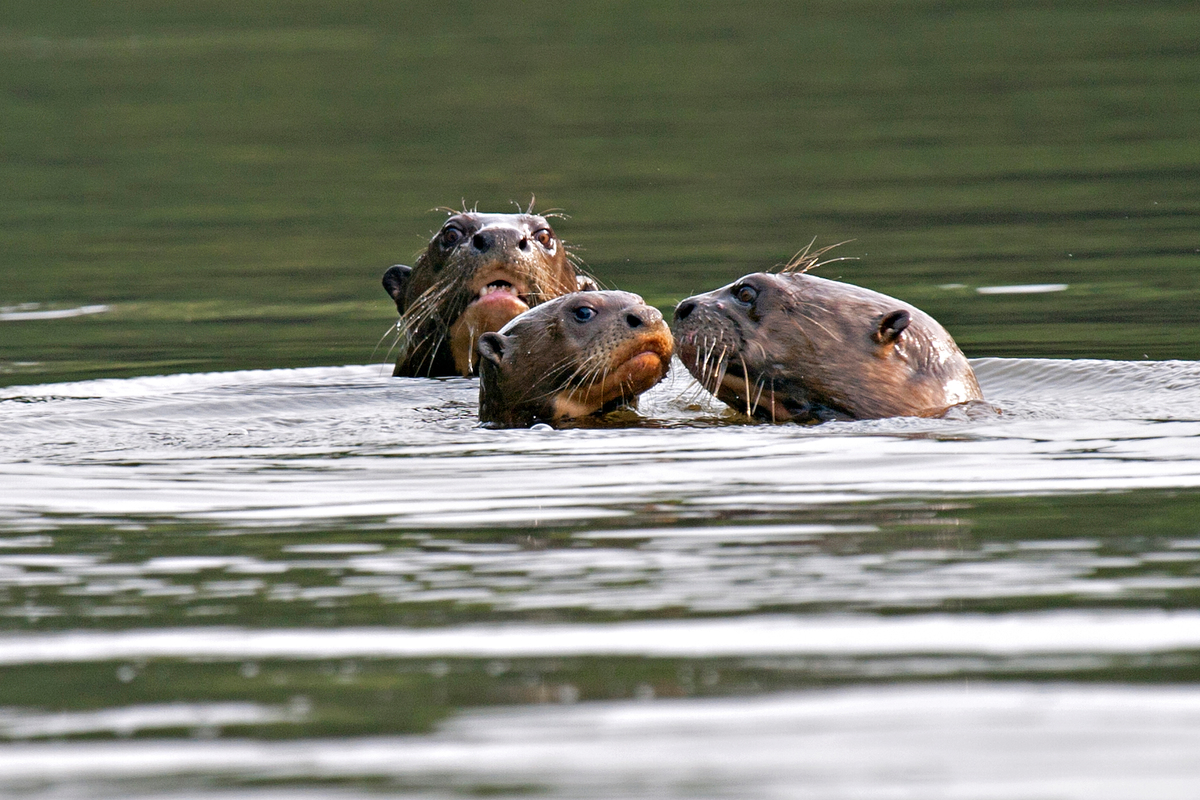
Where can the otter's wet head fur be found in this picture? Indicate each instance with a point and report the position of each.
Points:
(582, 354)
(795, 347)
(478, 272)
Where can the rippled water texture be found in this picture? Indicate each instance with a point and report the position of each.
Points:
(351, 442)
(291, 578)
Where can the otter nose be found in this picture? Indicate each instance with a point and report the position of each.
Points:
(684, 309)
(642, 315)
(503, 239)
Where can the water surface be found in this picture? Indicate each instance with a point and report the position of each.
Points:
(292, 577)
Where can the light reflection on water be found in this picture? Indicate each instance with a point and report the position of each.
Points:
(984, 741)
(700, 570)
(349, 442)
(346, 563)
(1006, 635)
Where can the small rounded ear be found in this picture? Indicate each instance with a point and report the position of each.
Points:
(491, 346)
(891, 326)
(585, 284)
(395, 281)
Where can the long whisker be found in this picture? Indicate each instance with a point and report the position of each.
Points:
(805, 260)
(395, 328)
(758, 396)
(554, 379)
(833, 335)
(749, 411)
(710, 346)
(397, 332)
(719, 375)
(712, 366)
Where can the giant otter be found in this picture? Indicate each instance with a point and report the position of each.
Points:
(796, 347)
(574, 356)
(478, 272)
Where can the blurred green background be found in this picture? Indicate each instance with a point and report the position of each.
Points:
(232, 178)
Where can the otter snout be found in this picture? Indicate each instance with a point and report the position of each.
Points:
(503, 238)
(643, 315)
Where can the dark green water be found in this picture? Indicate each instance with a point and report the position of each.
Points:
(232, 178)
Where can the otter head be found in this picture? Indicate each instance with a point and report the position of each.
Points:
(578, 355)
(478, 272)
(797, 347)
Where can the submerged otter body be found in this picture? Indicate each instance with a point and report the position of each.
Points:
(795, 347)
(478, 272)
(586, 353)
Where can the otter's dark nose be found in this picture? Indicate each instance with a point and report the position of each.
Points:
(684, 309)
(643, 315)
(481, 242)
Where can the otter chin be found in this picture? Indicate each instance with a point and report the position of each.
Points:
(576, 356)
(795, 347)
(478, 272)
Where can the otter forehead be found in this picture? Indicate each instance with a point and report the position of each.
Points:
(567, 303)
(727, 306)
(526, 223)
(607, 305)
(605, 299)
(468, 237)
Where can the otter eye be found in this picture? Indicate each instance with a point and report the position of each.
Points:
(746, 295)
(544, 237)
(584, 313)
(451, 235)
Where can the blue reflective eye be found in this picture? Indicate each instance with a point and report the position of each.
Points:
(584, 313)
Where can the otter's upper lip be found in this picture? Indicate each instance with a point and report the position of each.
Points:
(657, 345)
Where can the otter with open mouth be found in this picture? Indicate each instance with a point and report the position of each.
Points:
(478, 272)
(795, 347)
(575, 356)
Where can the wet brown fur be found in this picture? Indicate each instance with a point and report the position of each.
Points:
(807, 349)
(548, 365)
(439, 298)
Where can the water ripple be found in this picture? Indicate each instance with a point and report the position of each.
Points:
(986, 741)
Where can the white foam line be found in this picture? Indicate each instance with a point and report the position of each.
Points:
(129, 719)
(1029, 288)
(1001, 635)
(64, 313)
(988, 742)
(738, 533)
